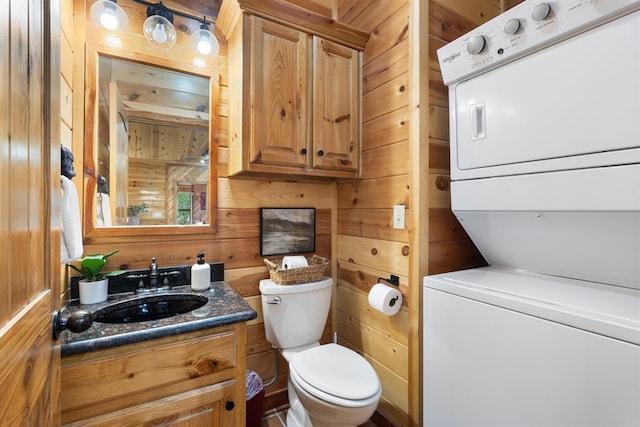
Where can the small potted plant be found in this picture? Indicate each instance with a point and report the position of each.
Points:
(133, 211)
(93, 288)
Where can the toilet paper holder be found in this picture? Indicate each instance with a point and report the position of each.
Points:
(392, 280)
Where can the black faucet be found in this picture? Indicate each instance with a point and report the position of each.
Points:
(158, 281)
(153, 273)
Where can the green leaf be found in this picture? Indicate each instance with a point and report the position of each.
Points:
(91, 266)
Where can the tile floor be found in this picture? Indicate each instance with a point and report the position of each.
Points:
(277, 418)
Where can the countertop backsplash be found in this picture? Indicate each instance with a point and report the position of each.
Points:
(125, 283)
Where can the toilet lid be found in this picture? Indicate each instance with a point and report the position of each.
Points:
(337, 371)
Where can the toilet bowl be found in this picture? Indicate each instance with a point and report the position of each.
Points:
(335, 386)
(329, 385)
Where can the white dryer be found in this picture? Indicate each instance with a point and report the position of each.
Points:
(545, 169)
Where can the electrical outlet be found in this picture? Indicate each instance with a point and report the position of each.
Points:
(398, 217)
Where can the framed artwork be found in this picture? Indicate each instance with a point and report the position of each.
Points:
(287, 231)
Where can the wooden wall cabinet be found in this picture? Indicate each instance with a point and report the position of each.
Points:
(294, 98)
(336, 107)
(277, 105)
(191, 379)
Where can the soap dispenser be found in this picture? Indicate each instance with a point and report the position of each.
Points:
(200, 274)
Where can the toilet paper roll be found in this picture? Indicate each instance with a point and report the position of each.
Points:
(289, 262)
(385, 299)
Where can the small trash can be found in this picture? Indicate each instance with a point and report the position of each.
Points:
(255, 399)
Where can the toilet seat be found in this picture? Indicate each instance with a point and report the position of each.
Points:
(336, 375)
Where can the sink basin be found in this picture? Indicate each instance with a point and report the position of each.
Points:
(151, 307)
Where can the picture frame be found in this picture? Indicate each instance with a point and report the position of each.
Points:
(287, 231)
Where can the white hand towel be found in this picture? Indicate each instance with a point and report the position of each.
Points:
(71, 236)
(103, 211)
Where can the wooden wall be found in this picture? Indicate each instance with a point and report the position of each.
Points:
(449, 246)
(405, 162)
(237, 241)
(322, 7)
(365, 244)
(368, 246)
(66, 93)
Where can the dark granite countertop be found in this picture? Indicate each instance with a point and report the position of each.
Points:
(225, 307)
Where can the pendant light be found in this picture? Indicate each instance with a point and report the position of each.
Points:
(204, 42)
(158, 27)
(108, 15)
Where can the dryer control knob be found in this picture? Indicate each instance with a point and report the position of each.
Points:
(541, 11)
(512, 26)
(476, 44)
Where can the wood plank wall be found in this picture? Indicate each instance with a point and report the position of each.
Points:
(449, 245)
(237, 241)
(66, 89)
(368, 246)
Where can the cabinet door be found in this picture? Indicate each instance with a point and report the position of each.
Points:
(279, 95)
(336, 129)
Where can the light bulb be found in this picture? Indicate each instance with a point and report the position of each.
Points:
(204, 42)
(204, 45)
(107, 15)
(159, 34)
(108, 19)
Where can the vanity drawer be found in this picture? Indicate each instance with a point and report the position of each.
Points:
(109, 380)
(201, 407)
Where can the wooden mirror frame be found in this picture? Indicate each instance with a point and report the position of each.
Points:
(92, 233)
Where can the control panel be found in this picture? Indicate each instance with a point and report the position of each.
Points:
(527, 27)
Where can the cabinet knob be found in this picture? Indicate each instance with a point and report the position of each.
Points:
(303, 151)
(320, 153)
(229, 405)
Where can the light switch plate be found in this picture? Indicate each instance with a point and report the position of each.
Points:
(398, 217)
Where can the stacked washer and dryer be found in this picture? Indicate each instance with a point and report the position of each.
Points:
(545, 178)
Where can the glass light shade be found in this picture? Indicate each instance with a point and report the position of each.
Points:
(159, 32)
(108, 15)
(204, 42)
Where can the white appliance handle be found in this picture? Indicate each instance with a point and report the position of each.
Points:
(478, 121)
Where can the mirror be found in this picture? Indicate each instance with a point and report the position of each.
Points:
(153, 145)
(147, 162)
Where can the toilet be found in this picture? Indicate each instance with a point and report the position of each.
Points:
(329, 385)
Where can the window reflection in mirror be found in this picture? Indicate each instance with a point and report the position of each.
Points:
(152, 145)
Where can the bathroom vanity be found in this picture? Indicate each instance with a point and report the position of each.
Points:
(187, 369)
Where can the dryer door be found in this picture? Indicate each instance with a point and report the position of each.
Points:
(559, 108)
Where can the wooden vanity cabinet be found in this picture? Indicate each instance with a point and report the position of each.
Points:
(294, 99)
(192, 379)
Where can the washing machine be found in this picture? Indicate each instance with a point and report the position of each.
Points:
(545, 178)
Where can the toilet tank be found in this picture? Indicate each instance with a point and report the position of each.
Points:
(295, 315)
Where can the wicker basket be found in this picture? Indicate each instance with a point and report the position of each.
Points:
(293, 276)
